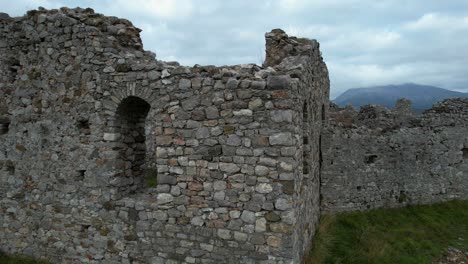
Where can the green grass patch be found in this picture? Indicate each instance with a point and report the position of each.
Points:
(151, 178)
(414, 234)
(17, 259)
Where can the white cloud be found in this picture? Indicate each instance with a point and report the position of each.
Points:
(163, 9)
(292, 5)
(298, 5)
(370, 74)
(359, 42)
(439, 22)
(20, 7)
(313, 31)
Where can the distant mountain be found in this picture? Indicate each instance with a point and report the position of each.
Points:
(421, 96)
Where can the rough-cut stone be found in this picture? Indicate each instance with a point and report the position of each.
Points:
(279, 116)
(248, 217)
(164, 198)
(111, 136)
(264, 188)
(278, 81)
(261, 170)
(386, 158)
(283, 204)
(109, 155)
(284, 139)
(243, 112)
(166, 179)
(229, 167)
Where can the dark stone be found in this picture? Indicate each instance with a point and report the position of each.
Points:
(278, 82)
(272, 217)
(167, 179)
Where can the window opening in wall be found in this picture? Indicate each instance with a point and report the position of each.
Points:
(305, 139)
(369, 159)
(10, 167)
(14, 66)
(131, 117)
(4, 125)
(465, 153)
(320, 153)
(80, 174)
(83, 126)
(323, 112)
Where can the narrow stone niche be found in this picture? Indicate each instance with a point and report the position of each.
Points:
(83, 126)
(305, 140)
(131, 117)
(4, 125)
(369, 159)
(465, 153)
(323, 113)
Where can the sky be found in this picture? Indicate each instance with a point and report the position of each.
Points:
(363, 42)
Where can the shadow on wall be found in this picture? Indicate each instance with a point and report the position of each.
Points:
(131, 117)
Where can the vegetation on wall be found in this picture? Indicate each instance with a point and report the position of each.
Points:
(16, 259)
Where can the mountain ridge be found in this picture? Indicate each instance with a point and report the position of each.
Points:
(421, 96)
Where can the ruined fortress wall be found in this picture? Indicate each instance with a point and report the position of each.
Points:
(381, 158)
(89, 121)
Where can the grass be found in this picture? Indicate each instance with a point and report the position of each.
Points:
(16, 259)
(151, 178)
(415, 234)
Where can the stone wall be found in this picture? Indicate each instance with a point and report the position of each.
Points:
(89, 121)
(382, 158)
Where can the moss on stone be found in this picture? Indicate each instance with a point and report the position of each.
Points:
(151, 178)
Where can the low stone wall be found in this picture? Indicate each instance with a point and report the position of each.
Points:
(382, 158)
(89, 122)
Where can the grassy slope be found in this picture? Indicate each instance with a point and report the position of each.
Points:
(14, 259)
(415, 234)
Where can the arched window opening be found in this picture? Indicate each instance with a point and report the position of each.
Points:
(4, 125)
(131, 117)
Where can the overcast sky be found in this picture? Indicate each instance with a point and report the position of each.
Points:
(363, 42)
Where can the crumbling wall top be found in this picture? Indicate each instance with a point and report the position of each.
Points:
(121, 31)
(376, 116)
(279, 46)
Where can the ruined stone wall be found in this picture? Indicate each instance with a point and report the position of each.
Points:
(89, 121)
(382, 158)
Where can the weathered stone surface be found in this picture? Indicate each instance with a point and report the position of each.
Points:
(278, 82)
(166, 179)
(164, 198)
(283, 204)
(279, 116)
(248, 217)
(284, 139)
(243, 112)
(229, 167)
(264, 188)
(111, 136)
(387, 157)
(272, 217)
(261, 170)
(109, 155)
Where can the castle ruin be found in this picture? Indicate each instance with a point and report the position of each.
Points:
(108, 155)
(90, 122)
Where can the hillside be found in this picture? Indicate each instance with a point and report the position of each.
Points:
(422, 96)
